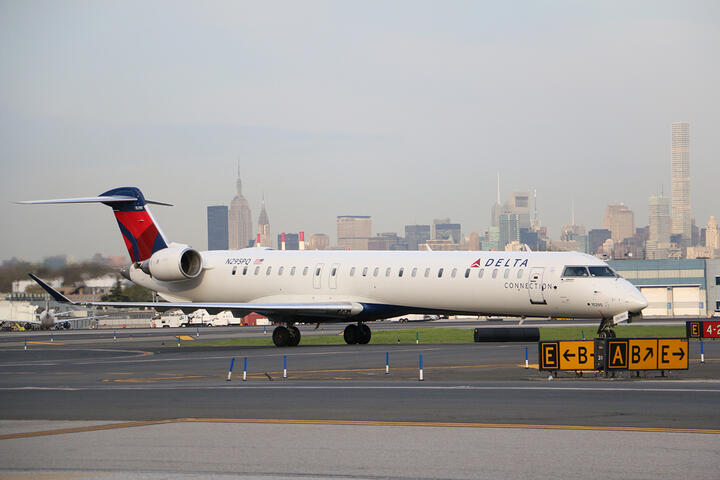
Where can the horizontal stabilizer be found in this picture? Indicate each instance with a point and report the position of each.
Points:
(107, 200)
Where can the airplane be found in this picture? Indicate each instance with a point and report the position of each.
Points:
(48, 319)
(356, 287)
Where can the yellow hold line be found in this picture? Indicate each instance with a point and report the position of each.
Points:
(364, 423)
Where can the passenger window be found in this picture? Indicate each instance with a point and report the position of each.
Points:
(387, 272)
(376, 271)
(480, 273)
(305, 271)
(292, 271)
(427, 272)
(333, 271)
(454, 272)
(245, 269)
(257, 269)
(507, 273)
(352, 271)
(575, 272)
(400, 272)
(495, 273)
(317, 271)
(234, 270)
(267, 272)
(440, 272)
(414, 272)
(520, 273)
(281, 270)
(365, 270)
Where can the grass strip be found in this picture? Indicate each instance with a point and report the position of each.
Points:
(459, 335)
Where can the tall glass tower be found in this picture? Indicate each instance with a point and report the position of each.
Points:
(680, 164)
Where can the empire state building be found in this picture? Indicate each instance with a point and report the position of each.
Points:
(239, 220)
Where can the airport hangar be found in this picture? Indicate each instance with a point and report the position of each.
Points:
(674, 287)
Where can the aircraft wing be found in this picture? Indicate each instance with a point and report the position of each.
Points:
(325, 309)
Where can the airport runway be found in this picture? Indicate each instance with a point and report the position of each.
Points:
(338, 412)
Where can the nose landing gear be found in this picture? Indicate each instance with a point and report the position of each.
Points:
(359, 333)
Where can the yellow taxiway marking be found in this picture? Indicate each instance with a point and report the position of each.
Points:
(94, 428)
(185, 337)
(154, 379)
(44, 343)
(365, 423)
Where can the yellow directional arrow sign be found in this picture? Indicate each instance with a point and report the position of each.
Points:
(643, 354)
(672, 354)
(577, 355)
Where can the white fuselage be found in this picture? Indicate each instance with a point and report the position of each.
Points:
(388, 284)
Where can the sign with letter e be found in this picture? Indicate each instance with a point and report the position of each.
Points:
(672, 354)
(617, 355)
(693, 329)
(549, 358)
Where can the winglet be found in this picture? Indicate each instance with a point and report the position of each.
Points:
(59, 297)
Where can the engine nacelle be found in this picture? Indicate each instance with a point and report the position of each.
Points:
(172, 264)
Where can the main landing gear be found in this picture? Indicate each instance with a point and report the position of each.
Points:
(286, 336)
(359, 333)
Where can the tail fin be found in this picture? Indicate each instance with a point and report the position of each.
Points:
(142, 235)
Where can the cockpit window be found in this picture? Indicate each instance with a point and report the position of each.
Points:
(575, 272)
(601, 272)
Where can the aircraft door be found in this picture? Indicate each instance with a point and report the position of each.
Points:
(334, 271)
(535, 286)
(317, 275)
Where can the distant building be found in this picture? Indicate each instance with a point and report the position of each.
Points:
(217, 227)
(509, 225)
(264, 227)
(530, 238)
(416, 235)
(712, 234)
(493, 240)
(387, 241)
(319, 241)
(680, 172)
(292, 241)
(240, 233)
(658, 243)
(444, 229)
(354, 231)
(620, 220)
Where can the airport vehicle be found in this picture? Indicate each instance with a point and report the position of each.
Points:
(357, 286)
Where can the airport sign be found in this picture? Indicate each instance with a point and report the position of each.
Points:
(700, 329)
(647, 354)
(567, 355)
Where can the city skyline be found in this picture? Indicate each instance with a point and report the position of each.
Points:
(427, 106)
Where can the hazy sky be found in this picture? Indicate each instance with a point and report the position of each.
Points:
(400, 110)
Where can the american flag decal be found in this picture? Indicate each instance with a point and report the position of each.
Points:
(258, 261)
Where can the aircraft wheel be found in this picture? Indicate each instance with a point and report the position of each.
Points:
(281, 336)
(294, 336)
(351, 334)
(365, 334)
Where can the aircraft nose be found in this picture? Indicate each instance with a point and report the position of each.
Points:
(635, 300)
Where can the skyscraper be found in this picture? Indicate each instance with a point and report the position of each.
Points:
(680, 164)
(354, 231)
(239, 220)
(264, 227)
(620, 220)
(658, 244)
(416, 235)
(217, 220)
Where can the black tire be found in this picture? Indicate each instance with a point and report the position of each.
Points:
(281, 336)
(351, 334)
(294, 336)
(365, 334)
